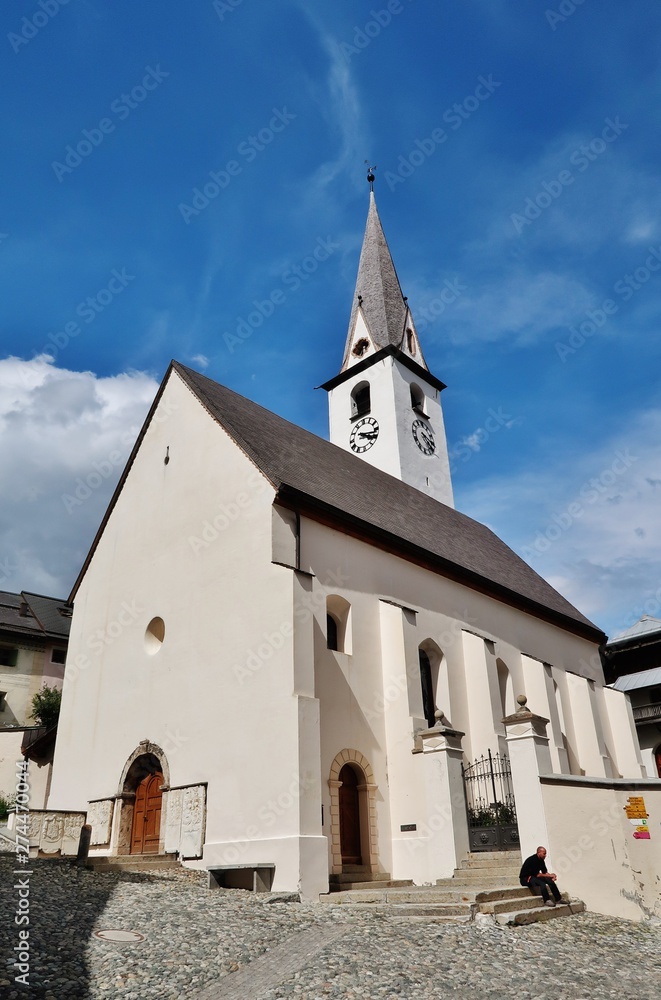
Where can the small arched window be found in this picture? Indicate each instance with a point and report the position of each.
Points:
(417, 398)
(361, 347)
(657, 760)
(331, 632)
(410, 340)
(427, 684)
(338, 624)
(361, 399)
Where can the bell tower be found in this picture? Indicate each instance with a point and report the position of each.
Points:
(384, 403)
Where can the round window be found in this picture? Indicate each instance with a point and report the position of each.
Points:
(154, 635)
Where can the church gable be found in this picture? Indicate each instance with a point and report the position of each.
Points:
(185, 474)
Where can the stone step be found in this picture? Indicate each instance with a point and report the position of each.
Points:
(454, 913)
(492, 882)
(504, 859)
(358, 874)
(413, 895)
(518, 903)
(540, 913)
(367, 886)
(495, 895)
(500, 871)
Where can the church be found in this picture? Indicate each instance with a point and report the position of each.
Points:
(295, 655)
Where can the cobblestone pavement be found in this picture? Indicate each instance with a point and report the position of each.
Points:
(195, 939)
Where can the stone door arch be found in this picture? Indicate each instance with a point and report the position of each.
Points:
(363, 782)
(146, 770)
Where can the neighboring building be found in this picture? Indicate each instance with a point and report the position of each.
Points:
(632, 663)
(34, 632)
(269, 625)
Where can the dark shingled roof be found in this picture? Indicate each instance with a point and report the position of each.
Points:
(43, 616)
(320, 477)
(377, 284)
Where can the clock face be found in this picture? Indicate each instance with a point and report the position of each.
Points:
(423, 437)
(363, 435)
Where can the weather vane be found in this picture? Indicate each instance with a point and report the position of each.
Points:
(370, 174)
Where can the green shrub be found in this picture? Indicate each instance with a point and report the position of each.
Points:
(46, 706)
(7, 802)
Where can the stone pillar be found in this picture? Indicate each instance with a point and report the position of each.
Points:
(590, 749)
(446, 824)
(539, 690)
(529, 754)
(623, 729)
(336, 862)
(482, 694)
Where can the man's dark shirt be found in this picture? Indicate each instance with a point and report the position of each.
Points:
(531, 866)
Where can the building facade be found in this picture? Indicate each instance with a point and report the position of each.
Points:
(632, 663)
(284, 649)
(34, 632)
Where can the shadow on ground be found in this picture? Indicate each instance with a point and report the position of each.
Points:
(65, 903)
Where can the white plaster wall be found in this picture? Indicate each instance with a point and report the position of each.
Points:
(538, 687)
(587, 727)
(428, 473)
(10, 753)
(593, 851)
(190, 542)
(395, 450)
(355, 709)
(384, 454)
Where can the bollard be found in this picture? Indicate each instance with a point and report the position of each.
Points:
(84, 844)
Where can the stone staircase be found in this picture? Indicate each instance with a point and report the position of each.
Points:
(147, 864)
(484, 888)
(359, 877)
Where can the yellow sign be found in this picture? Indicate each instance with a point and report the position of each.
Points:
(635, 808)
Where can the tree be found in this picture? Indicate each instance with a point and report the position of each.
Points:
(46, 706)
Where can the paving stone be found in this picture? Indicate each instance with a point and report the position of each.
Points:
(197, 941)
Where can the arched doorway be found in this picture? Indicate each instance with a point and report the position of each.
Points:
(146, 829)
(657, 759)
(353, 825)
(350, 816)
(139, 801)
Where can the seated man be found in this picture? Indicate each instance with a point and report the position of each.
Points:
(534, 874)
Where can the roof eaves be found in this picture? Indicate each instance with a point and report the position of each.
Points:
(389, 351)
(349, 524)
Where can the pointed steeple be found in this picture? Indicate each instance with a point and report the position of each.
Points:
(380, 316)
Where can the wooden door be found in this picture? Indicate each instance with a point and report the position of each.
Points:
(147, 815)
(349, 817)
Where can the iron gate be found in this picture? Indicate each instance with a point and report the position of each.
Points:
(490, 804)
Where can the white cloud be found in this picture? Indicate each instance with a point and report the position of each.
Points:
(64, 439)
(589, 523)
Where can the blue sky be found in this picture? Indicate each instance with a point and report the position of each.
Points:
(517, 152)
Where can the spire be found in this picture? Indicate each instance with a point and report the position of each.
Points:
(378, 303)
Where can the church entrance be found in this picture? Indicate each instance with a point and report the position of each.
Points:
(349, 797)
(146, 830)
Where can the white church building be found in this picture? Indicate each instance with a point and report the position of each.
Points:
(290, 652)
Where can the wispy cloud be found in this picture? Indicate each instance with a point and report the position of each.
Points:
(588, 522)
(341, 105)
